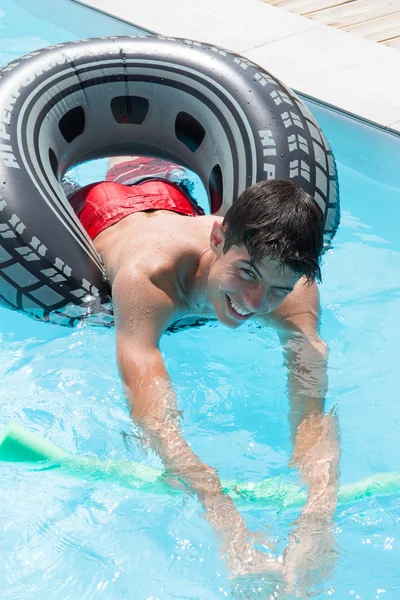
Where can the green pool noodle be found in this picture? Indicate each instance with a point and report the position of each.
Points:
(19, 445)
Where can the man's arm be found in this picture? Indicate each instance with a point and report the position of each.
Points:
(142, 312)
(316, 450)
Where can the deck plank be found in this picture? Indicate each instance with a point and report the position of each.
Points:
(376, 20)
(394, 43)
(383, 36)
(372, 26)
(356, 12)
(302, 6)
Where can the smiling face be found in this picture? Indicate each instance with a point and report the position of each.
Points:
(240, 289)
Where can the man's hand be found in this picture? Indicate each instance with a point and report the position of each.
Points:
(310, 557)
(304, 575)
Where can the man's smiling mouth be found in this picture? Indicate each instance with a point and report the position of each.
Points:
(237, 311)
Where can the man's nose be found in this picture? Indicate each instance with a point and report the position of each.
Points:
(257, 299)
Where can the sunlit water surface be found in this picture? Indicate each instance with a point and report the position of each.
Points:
(64, 538)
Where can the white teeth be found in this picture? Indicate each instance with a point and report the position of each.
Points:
(239, 310)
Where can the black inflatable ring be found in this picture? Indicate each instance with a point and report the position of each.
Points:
(208, 109)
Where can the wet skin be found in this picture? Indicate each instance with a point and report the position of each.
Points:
(163, 267)
(184, 256)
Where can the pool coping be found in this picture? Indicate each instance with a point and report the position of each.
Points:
(344, 71)
(348, 113)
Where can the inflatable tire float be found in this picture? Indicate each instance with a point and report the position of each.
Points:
(198, 105)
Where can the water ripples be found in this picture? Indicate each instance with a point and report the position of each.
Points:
(64, 538)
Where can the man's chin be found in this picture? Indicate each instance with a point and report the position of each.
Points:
(229, 322)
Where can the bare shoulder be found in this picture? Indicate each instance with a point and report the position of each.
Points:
(149, 263)
(142, 309)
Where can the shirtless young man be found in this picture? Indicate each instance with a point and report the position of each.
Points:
(259, 262)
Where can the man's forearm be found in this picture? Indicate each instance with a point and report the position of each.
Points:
(316, 449)
(159, 420)
(306, 359)
(160, 423)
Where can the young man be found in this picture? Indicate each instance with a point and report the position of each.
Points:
(259, 262)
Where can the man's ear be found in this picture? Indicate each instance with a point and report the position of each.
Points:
(217, 237)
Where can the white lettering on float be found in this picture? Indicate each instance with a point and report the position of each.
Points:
(3, 133)
(82, 53)
(38, 71)
(6, 151)
(269, 149)
(7, 156)
(8, 107)
(3, 203)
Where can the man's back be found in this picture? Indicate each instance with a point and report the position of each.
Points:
(163, 247)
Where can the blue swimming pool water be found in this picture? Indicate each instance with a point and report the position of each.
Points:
(69, 539)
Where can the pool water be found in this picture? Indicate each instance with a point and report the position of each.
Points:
(64, 538)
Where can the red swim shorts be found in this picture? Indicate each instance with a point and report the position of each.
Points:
(106, 203)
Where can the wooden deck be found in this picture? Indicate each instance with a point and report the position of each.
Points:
(377, 20)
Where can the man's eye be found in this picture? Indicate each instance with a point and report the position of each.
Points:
(248, 273)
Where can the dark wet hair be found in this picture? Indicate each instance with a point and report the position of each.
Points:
(279, 220)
